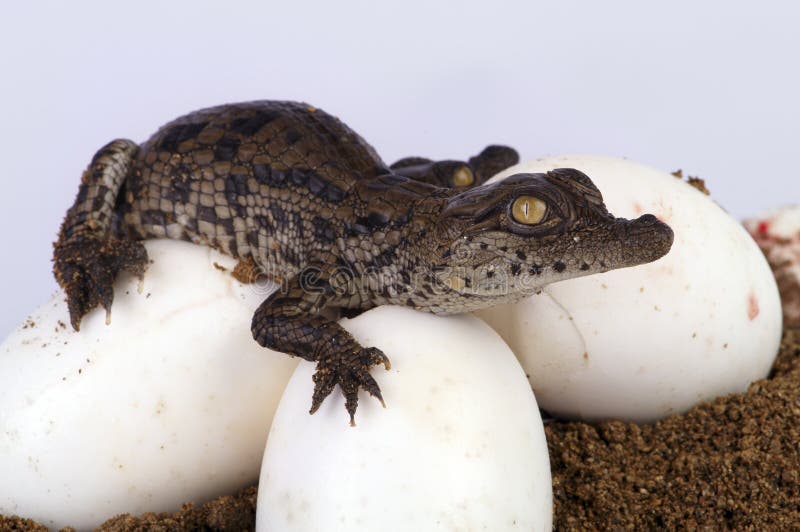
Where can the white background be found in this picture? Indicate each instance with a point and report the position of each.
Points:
(711, 87)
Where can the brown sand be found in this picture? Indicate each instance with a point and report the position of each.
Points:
(231, 513)
(733, 463)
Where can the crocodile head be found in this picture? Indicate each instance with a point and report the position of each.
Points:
(507, 239)
(459, 174)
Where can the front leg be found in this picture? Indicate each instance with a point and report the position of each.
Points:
(292, 323)
(88, 256)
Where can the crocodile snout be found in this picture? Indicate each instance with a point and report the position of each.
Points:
(653, 236)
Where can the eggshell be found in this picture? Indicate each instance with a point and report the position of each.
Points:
(460, 445)
(645, 342)
(778, 235)
(169, 403)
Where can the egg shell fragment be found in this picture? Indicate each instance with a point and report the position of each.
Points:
(170, 403)
(460, 446)
(644, 342)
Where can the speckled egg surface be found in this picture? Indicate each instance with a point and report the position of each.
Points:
(460, 446)
(170, 403)
(644, 342)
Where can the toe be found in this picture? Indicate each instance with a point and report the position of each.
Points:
(81, 298)
(133, 257)
(103, 286)
(324, 381)
(375, 356)
(350, 390)
(371, 386)
(77, 309)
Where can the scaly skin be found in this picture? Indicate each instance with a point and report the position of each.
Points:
(492, 160)
(292, 191)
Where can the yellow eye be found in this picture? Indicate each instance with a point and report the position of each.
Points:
(463, 177)
(528, 210)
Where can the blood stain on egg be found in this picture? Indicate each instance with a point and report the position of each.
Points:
(752, 306)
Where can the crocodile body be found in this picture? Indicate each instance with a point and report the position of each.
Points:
(293, 191)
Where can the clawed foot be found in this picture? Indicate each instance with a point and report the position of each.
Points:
(350, 370)
(86, 270)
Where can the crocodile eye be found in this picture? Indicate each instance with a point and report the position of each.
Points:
(463, 177)
(528, 210)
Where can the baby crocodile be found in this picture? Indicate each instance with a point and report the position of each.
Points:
(492, 160)
(294, 191)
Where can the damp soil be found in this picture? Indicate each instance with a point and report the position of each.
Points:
(733, 463)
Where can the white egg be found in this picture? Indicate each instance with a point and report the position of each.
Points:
(777, 233)
(645, 342)
(460, 445)
(169, 403)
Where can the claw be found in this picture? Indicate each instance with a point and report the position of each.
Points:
(376, 356)
(75, 321)
(86, 270)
